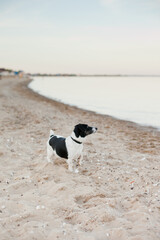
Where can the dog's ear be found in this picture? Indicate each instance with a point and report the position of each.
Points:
(82, 127)
(80, 130)
(77, 130)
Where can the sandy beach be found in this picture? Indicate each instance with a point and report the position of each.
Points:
(115, 195)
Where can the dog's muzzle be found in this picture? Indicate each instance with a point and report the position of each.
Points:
(94, 129)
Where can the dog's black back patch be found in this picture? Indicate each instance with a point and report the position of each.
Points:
(59, 146)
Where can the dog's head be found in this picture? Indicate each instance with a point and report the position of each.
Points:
(82, 130)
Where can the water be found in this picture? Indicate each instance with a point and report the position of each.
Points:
(134, 99)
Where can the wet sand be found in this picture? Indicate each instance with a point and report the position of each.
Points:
(115, 195)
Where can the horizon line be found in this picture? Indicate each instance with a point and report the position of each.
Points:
(80, 74)
(92, 75)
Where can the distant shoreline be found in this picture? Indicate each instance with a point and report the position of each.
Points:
(90, 75)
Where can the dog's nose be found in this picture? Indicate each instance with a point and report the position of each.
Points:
(94, 129)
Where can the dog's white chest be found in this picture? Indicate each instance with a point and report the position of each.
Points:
(74, 149)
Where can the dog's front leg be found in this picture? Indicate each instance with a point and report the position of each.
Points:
(70, 164)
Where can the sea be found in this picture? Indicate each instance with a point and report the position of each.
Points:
(135, 99)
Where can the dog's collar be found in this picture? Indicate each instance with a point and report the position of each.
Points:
(76, 141)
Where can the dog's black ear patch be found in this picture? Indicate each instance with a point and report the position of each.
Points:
(76, 131)
(83, 127)
(80, 130)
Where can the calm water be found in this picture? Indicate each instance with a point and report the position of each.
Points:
(135, 99)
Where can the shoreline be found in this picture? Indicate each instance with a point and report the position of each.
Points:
(115, 195)
(149, 127)
(142, 121)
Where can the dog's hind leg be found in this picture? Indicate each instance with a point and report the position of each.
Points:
(49, 152)
(81, 159)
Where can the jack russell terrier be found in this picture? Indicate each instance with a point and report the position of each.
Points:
(71, 147)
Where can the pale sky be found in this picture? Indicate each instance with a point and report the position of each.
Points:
(80, 36)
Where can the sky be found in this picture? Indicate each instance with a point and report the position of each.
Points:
(80, 36)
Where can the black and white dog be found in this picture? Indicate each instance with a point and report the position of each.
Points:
(71, 147)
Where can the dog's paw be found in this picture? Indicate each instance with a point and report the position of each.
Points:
(49, 160)
(76, 170)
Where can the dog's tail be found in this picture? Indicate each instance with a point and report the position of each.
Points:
(51, 133)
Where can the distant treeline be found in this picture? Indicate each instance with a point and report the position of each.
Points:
(74, 75)
(51, 75)
(88, 75)
(5, 70)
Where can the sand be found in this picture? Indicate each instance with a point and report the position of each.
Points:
(115, 195)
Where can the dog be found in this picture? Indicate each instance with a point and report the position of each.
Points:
(71, 147)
